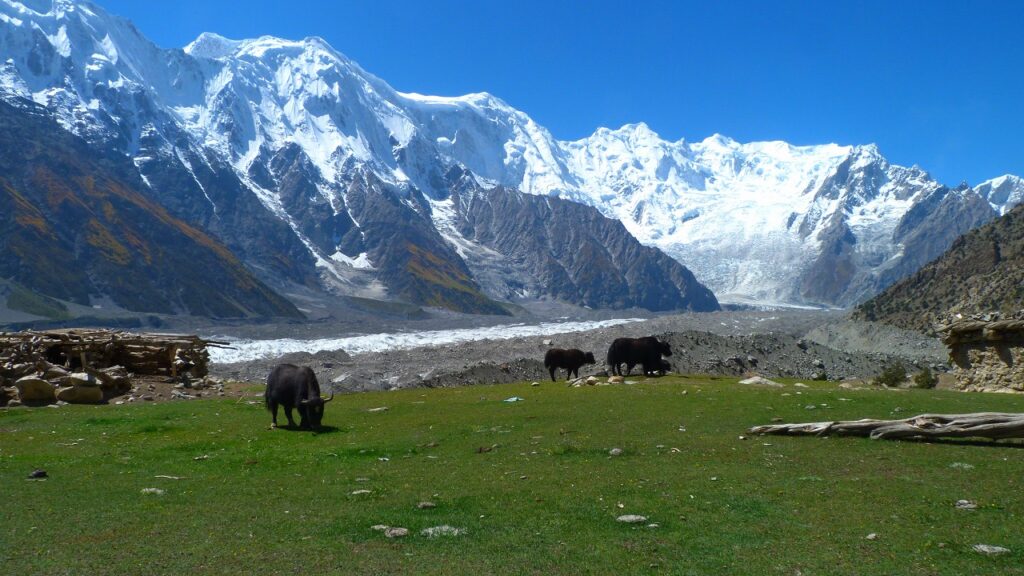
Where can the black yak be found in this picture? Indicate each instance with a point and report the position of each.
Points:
(294, 387)
(632, 351)
(570, 359)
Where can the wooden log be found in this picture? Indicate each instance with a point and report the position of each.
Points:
(992, 425)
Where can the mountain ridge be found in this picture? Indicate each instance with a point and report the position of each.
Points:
(763, 222)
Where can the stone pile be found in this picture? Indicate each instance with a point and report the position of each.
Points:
(91, 366)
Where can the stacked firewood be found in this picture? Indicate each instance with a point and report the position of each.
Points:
(85, 365)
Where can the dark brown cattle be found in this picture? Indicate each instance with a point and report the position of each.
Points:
(292, 386)
(646, 351)
(570, 359)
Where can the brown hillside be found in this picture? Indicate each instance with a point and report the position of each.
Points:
(983, 271)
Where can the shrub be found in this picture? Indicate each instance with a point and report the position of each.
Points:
(925, 379)
(892, 375)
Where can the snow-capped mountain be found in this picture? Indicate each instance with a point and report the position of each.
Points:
(312, 171)
(381, 193)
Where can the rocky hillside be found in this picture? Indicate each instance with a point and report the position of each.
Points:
(76, 226)
(982, 272)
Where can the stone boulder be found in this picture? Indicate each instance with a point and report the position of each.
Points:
(53, 373)
(114, 378)
(81, 394)
(35, 389)
(760, 381)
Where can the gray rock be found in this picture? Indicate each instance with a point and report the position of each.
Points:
(966, 505)
(615, 452)
(426, 505)
(443, 530)
(759, 381)
(396, 532)
(989, 550)
(631, 519)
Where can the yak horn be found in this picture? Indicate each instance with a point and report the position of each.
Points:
(303, 402)
(329, 399)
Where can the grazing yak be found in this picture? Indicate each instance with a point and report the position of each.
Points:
(293, 387)
(646, 351)
(570, 359)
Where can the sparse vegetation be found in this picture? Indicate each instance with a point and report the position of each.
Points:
(925, 379)
(893, 374)
(18, 298)
(531, 482)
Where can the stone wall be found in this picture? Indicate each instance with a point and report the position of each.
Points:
(988, 356)
(989, 366)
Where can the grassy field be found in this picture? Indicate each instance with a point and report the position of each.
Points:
(530, 482)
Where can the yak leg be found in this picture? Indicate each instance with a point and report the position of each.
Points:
(288, 413)
(629, 369)
(553, 373)
(576, 372)
(273, 414)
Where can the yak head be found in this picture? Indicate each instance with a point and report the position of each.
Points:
(665, 349)
(313, 409)
(589, 358)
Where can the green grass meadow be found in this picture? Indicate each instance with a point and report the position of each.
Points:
(530, 482)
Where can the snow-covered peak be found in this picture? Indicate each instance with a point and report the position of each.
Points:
(213, 46)
(1003, 192)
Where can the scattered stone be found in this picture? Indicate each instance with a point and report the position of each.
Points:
(37, 474)
(426, 505)
(513, 399)
(154, 491)
(79, 394)
(654, 525)
(396, 532)
(742, 437)
(615, 452)
(534, 383)
(546, 341)
(591, 380)
(871, 536)
(362, 479)
(962, 466)
(759, 381)
(378, 409)
(989, 550)
(379, 527)
(801, 385)
(443, 530)
(631, 519)
(966, 505)
(360, 492)
(616, 379)
(810, 407)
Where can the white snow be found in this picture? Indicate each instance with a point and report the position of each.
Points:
(247, 350)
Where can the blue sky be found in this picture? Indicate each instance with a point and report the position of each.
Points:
(934, 83)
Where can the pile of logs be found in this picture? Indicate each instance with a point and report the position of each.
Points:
(77, 365)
